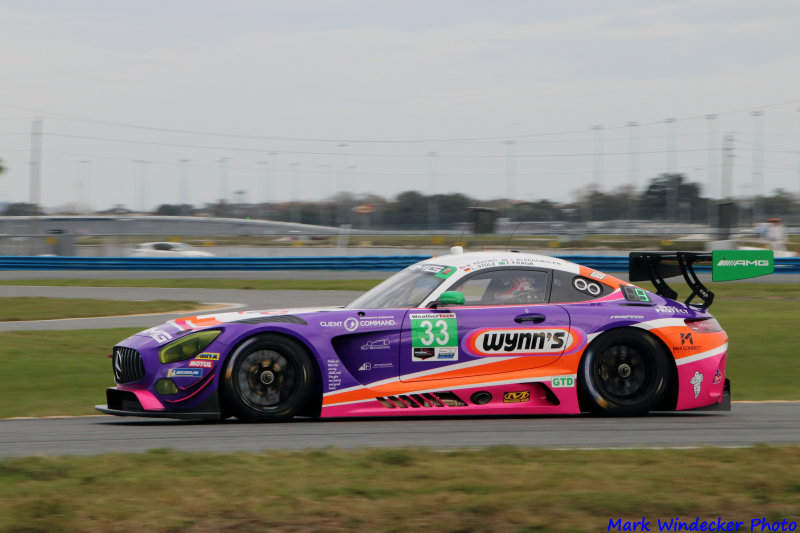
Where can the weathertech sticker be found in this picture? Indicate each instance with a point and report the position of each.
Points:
(434, 337)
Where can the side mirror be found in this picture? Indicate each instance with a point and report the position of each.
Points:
(450, 298)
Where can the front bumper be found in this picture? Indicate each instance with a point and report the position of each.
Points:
(127, 403)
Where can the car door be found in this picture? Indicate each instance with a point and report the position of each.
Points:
(505, 326)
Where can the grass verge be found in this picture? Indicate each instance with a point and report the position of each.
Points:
(500, 489)
(56, 372)
(15, 309)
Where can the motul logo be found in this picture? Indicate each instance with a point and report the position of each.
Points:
(743, 263)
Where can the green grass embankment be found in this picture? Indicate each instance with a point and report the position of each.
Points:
(37, 308)
(499, 489)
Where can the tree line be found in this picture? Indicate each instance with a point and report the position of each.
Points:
(668, 198)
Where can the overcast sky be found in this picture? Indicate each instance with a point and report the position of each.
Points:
(424, 94)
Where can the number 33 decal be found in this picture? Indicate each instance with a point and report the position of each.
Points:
(434, 332)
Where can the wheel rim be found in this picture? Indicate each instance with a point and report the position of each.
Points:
(266, 380)
(625, 374)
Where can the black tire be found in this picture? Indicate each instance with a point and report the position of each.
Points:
(624, 372)
(268, 378)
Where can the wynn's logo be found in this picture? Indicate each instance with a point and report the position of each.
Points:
(546, 341)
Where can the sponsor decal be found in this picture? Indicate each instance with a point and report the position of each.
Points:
(352, 324)
(717, 377)
(334, 374)
(208, 356)
(375, 321)
(687, 344)
(370, 366)
(671, 310)
(423, 353)
(626, 317)
(545, 341)
(446, 273)
(446, 353)
(158, 335)
(185, 373)
(597, 275)
(430, 269)
(697, 381)
(560, 383)
(201, 364)
(434, 337)
(741, 264)
(377, 344)
(517, 396)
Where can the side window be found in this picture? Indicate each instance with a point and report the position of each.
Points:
(569, 287)
(505, 287)
(162, 246)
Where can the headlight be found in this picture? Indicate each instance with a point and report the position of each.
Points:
(188, 346)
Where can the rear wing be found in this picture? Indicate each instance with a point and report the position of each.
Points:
(726, 265)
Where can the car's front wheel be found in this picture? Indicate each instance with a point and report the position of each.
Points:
(624, 373)
(268, 378)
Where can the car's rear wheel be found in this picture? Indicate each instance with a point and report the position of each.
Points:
(268, 378)
(624, 373)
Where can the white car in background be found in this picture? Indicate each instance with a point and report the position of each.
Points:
(167, 249)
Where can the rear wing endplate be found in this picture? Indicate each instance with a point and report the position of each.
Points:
(726, 265)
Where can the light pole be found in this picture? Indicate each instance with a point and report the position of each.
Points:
(324, 189)
(758, 162)
(633, 165)
(264, 188)
(185, 200)
(672, 167)
(293, 191)
(223, 179)
(711, 167)
(142, 183)
(83, 185)
(340, 164)
(433, 200)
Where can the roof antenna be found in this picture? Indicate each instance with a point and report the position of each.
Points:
(508, 242)
(463, 230)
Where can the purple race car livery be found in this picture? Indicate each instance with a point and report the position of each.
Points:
(466, 333)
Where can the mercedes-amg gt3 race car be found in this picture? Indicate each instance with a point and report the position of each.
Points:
(483, 333)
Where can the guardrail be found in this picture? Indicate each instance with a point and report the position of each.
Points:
(783, 265)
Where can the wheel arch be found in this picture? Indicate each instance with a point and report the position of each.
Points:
(314, 405)
(670, 398)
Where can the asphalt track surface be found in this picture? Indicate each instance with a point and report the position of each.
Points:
(747, 424)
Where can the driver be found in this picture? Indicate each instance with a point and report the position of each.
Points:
(513, 290)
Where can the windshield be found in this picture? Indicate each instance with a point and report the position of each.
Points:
(404, 289)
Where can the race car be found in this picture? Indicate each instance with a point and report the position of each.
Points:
(481, 333)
